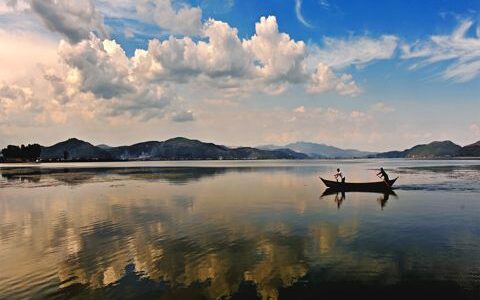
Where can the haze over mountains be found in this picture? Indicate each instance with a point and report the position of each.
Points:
(180, 148)
(314, 150)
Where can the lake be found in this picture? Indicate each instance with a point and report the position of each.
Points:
(239, 230)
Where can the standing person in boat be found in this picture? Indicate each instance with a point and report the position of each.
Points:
(339, 175)
(383, 174)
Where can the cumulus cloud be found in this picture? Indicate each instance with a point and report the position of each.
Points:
(95, 78)
(22, 106)
(267, 61)
(324, 80)
(268, 56)
(276, 55)
(102, 67)
(185, 20)
(178, 59)
(74, 20)
(460, 51)
(147, 103)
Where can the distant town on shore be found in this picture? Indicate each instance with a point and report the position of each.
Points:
(181, 148)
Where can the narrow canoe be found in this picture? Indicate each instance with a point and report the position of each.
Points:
(378, 186)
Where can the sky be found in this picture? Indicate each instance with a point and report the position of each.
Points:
(370, 75)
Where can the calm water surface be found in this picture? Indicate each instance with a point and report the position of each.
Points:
(240, 230)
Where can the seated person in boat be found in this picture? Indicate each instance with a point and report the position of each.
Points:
(383, 174)
(339, 175)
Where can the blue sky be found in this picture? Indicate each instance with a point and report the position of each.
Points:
(374, 75)
(409, 19)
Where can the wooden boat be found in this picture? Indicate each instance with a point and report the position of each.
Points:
(378, 186)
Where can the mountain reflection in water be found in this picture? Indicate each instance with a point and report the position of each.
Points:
(218, 232)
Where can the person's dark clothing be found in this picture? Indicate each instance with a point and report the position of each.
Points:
(384, 175)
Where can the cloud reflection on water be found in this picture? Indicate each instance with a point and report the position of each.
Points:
(211, 232)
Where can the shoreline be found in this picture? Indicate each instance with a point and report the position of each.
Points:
(254, 159)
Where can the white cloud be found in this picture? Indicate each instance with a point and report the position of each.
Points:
(178, 59)
(459, 50)
(74, 20)
(95, 78)
(324, 80)
(103, 67)
(23, 106)
(277, 56)
(359, 51)
(337, 54)
(298, 12)
(185, 20)
(88, 76)
(268, 61)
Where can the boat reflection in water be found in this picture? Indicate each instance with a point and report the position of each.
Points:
(340, 196)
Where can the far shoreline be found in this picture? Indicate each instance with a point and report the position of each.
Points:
(27, 163)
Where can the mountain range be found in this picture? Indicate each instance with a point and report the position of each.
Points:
(180, 148)
(173, 149)
(437, 149)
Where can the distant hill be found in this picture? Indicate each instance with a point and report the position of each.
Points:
(315, 150)
(442, 149)
(472, 150)
(173, 149)
(75, 149)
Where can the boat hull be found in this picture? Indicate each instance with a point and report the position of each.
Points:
(379, 186)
